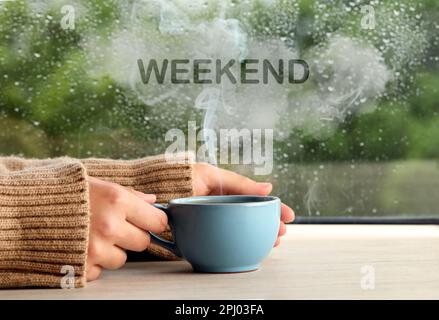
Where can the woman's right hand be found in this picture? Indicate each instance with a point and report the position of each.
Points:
(119, 220)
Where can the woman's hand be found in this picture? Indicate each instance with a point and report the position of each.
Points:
(210, 180)
(119, 220)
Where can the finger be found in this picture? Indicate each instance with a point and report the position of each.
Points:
(229, 182)
(132, 238)
(277, 242)
(287, 214)
(145, 216)
(150, 198)
(93, 272)
(114, 258)
(282, 229)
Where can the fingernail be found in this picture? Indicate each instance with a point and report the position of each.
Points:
(164, 220)
(265, 185)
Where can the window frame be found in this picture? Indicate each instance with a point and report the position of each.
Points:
(367, 220)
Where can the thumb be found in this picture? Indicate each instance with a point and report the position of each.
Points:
(265, 188)
(233, 183)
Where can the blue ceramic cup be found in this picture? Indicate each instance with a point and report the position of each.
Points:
(222, 233)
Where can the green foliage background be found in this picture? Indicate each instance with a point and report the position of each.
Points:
(50, 106)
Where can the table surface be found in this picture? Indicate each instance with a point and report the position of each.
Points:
(313, 262)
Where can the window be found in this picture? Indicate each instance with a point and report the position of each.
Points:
(349, 90)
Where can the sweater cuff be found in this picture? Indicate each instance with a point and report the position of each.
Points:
(166, 178)
(44, 225)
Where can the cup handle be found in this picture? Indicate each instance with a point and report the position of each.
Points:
(168, 245)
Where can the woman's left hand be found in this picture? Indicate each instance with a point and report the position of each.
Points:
(210, 180)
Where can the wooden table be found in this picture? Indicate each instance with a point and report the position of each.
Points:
(313, 262)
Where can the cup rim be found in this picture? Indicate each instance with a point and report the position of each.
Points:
(191, 201)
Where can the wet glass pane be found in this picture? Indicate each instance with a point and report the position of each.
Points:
(359, 136)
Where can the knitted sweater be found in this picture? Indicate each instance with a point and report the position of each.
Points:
(44, 211)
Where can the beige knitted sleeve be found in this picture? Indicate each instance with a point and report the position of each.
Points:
(43, 222)
(167, 180)
(44, 212)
